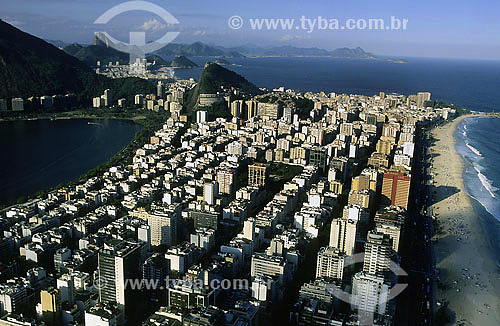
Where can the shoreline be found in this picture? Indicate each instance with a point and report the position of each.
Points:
(134, 119)
(469, 278)
(139, 120)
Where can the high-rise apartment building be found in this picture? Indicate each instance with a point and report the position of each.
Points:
(108, 97)
(343, 235)
(139, 99)
(318, 157)
(272, 266)
(390, 221)
(66, 288)
(117, 262)
(225, 179)
(346, 129)
(384, 146)
(368, 180)
(378, 253)
(160, 91)
(330, 263)
(50, 300)
(396, 189)
(257, 174)
(423, 97)
(17, 104)
(370, 293)
(3, 104)
(157, 268)
(361, 182)
(269, 110)
(210, 190)
(360, 197)
(164, 224)
(251, 109)
(237, 108)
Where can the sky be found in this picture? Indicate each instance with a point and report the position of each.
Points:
(438, 28)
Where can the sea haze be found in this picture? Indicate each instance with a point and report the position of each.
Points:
(478, 143)
(40, 154)
(469, 83)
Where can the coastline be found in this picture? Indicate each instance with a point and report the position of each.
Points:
(148, 126)
(63, 116)
(469, 278)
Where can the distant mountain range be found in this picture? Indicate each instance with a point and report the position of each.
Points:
(30, 66)
(199, 49)
(104, 52)
(291, 51)
(90, 54)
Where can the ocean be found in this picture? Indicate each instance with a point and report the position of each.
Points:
(478, 143)
(40, 154)
(468, 83)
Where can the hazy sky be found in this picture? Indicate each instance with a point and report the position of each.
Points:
(437, 28)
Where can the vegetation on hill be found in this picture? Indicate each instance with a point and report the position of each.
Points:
(215, 77)
(93, 53)
(177, 62)
(213, 80)
(460, 110)
(30, 66)
(156, 62)
(196, 49)
(182, 62)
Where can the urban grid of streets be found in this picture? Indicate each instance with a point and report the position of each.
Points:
(281, 201)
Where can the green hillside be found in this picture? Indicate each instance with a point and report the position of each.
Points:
(30, 66)
(182, 62)
(213, 79)
(93, 53)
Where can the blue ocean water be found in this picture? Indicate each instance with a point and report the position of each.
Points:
(478, 143)
(469, 83)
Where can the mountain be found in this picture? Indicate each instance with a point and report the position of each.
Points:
(213, 78)
(182, 62)
(97, 52)
(196, 49)
(57, 43)
(157, 62)
(357, 53)
(291, 51)
(30, 66)
(177, 62)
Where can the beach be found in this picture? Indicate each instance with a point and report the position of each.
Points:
(468, 275)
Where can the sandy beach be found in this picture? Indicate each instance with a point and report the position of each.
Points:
(469, 279)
